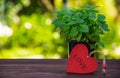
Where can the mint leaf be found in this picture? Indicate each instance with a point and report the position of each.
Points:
(105, 27)
(66, 28)
(79, 37)
(73, 32)
(99, 23)
(80, 21)
(101, 44)
(56, 22)
(92, 16)
(96, 38)
(71, 23)
(84, 28)
(101, 17)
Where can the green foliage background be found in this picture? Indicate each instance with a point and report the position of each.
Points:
(33, 35)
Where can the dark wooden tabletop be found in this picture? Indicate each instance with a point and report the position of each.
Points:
(51, 68)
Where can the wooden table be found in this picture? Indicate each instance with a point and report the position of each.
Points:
(51, 68)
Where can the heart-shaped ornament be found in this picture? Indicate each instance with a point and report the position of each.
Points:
(79, 62)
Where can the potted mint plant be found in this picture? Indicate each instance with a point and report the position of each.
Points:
(81, 26)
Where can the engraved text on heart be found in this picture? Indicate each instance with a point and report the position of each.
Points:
(79, 60)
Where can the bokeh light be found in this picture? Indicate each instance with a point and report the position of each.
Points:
(26, 29)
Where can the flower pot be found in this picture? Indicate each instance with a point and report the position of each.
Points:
(73, 43)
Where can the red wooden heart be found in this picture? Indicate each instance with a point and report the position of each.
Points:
(78, 61)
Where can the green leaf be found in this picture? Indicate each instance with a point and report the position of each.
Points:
(96, 38)
(56, 22)
(79, 13)
(84, 28)
(92, 16)
(99, 23)
(85, 15)
(66, 28)
(65, 20)
(71, 23)
(92, 46)
(101, 32)
(95, 11)
(68, 15)
(73, 32)
(101, 17)
(101, 44)
(81, 21)
(75, 17)
(105, 27)
(79, 37)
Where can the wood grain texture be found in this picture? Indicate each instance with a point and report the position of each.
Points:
(51, 68)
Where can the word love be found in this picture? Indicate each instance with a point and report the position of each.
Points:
(79, 60)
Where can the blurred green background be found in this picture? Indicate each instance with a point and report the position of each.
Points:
(26, 29)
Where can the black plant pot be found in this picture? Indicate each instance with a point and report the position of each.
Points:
(72, 44)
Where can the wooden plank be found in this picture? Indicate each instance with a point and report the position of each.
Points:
(51, 68)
